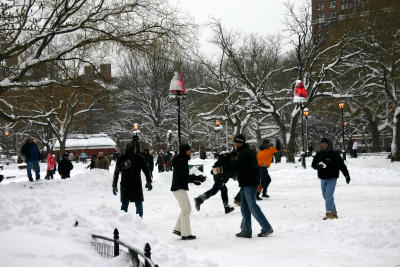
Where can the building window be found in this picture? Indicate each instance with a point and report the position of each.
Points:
(321, 16)
(333, 14)
(322, 5)
(333, 3)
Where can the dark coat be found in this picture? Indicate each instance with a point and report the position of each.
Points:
(30, 151)
(181, 177)
(149, 160)
(246, 167)
(334, 163)
(159, 160)
(131, 181)
(64, 168)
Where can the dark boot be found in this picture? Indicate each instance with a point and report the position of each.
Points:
(229, 209)
(175, 232)
(197, 203)
(243, 235)
(265, 234)
(190, 237)
(258, 197)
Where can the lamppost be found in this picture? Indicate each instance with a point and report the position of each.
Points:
(136, 128)
(177, 88)
(217, 129)
(306, 113)
(6, 134)
(303, 153)
(342, 107)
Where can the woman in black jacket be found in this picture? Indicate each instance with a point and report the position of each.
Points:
(180, 180)
(131, 163)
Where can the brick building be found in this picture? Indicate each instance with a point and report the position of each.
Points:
(325, 11)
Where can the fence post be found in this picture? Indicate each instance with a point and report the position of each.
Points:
(147, 253)
(116, 244)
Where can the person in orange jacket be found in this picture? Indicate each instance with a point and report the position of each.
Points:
(264, 158)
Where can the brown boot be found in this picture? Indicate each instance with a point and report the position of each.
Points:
(334, 215)
(328, 215)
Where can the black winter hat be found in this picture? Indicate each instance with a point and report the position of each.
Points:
(183, 148)
(240, 138)
(324, 140)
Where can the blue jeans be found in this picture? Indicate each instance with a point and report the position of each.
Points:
(248, 207)
(328, 188)
(33, 164)
(265, 179)
(138, 204)
(219, 185)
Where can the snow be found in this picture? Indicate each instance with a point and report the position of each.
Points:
(366, 233)
(87, 141)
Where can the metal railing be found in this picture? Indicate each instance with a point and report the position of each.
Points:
(115, 247)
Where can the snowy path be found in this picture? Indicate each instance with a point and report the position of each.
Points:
(366, 234)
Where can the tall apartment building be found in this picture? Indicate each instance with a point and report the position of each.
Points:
(324, 11)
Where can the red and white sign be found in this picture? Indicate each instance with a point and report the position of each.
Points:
(177, 85)
(300, 93)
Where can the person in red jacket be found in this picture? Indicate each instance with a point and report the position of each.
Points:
(51, 167)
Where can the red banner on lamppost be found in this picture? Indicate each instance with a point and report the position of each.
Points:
(300, 93)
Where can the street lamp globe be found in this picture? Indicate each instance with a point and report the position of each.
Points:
(6, 133)
(342, 105)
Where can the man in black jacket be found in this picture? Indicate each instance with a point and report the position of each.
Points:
(328, 163)
(247, 175)
(180, 181)
(130, 164)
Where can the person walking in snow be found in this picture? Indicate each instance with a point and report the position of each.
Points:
(51, 167)
(149, 160)
(130, 165)
(247, 175)
(180, 180)
(65, 166)
(328, 163)
(102, 162)
(32, 156)
(264, 159)
(220, 180)
(159, 162)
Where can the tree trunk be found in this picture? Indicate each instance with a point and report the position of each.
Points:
(376, 140)
(396, 136)
(291, 142)
(258, 134)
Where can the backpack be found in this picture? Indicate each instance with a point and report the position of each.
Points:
(225, 159)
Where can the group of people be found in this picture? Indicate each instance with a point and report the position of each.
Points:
(164, 161)
(32, 157)
(249, 168)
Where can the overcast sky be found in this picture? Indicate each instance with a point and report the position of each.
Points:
(251, 16)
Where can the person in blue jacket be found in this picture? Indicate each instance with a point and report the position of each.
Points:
(32, 156)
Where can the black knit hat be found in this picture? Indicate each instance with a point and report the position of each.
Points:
(240, 138)
(324, 140)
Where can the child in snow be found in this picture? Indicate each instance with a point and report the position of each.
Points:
(51, 167)
(180, 180)
(64, 167)
(264, 159)
(328, 163)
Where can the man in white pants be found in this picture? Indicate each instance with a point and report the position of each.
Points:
(179, 188)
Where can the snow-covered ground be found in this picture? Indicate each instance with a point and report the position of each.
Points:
(37, 221)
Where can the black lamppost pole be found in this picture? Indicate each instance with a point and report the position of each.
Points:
(7, 133)
(217, 128)
(341, 107)
(306, 112)
(303, 153)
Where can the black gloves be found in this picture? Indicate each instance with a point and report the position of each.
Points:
(197, 179)
(115, 190)
(348, 179)
(149, 186)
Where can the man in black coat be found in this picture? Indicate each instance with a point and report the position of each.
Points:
(247, 175)
(130, 164)
(180, 185)
(160, 161)
(328, 163)
(64, 167)
(149, 160)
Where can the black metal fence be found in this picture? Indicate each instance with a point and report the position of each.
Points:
(110, 248)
